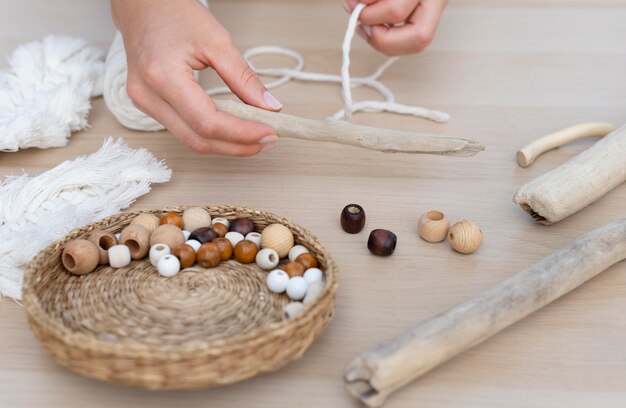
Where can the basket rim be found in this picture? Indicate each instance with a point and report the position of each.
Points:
(131, 348)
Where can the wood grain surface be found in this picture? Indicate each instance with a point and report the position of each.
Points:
(508, 71)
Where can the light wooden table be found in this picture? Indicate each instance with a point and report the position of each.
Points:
(508, 71)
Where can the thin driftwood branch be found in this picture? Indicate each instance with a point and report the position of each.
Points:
(374, 375)
(527, 154)
(384, 140)
(578, 182)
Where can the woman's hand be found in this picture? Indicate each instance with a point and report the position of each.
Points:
(398, 27)
(165, 41)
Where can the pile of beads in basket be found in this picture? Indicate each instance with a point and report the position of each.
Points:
(173, 243)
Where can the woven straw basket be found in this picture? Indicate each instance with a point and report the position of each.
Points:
(199, 329)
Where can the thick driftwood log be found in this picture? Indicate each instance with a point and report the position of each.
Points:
(384, 140)
(374, 375)
(578, 182)
(527, 154)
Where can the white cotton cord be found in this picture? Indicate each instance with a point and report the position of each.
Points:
(123, 109)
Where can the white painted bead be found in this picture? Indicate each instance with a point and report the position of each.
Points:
(296, 288)
(277, 281)
(194, 244)
(119, 256)
(293, 309)
(221, 221)
(234, 237)
(267, 259)
(254, 237)
(168, 266)
(186, 234)
(313, 275)
(313, 291)
(157, 251)
(296, 251)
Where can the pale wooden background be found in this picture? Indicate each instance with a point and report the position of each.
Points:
(508, 71)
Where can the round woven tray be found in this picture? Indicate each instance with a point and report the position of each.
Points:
(199, 329)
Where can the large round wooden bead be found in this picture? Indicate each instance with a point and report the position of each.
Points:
(220, 229)
(119, 256)
(167, 234)
(137, 239)
(209, 255)
(196, 217)
(352, 218)
(168, 266)
(278, 237)
(267, 259)
(148, 221)
(465, 237)
(242, 225)
(296, 251)
(186, 255)
(245, 251)
(294, 269)
(225, 247)
(156, 252)
(382, 242)
(103, 240)
(80, 257)
(307, 260)
(172, 218)
(204, 234)
(433, 226)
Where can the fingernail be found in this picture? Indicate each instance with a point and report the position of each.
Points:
(346, 7)
(269, 146)
(272, 101)
(268, 139)
(367, 29)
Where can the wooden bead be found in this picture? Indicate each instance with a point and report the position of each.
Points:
(148, 221)
(167, 234)
(242, 225)
(204, 234)
(245, 252)
(292, 310)
(172, 218)
(196, 217)
(220, 221)
(294, 269)
(137, 239)
(278, 237)
(209, 255)
(80, 257)
(103, 240)
(220, 229)
(254, 237)
(307, 260)
(194, 244)
(119, 256)
(186, 255)
(267, 259)
(157, 252)
(433, 226)
(168, 266)
(296, 288)
(296, 251)
(277, 281)
(382, 242)
(313, 275)
(225, 247)
(313, 291)
(352, 218)
(234, 237)
(465, 237)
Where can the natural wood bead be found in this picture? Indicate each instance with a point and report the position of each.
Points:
(208, 255)
(307, 260)
(80, 257)
(186, 255)
(103, 240)
(172, 218)
(465, 237)
(167, 234)
(220, 229)
(225, 247)
(294, 269)
(433, 226)
(148, 221)
(278, 237)
(245, 251)
(137, 239)
(196, 217)
(242, 225)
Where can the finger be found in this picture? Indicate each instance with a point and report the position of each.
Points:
(388, 12)
(349, 5)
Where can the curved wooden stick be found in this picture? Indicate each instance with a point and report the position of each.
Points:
(374, 375)
(527, 154)
(384, 140)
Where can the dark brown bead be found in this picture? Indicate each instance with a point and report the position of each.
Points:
(204, 234)
(353, 218)
(382, 242)
(242, 225)
(186, 255)
(307, 260)
(225, 247)
(208, 255)
(220, 229)
(172, 218)
(245, 251)
(294, 269)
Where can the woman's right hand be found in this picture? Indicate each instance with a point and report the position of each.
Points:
(165, 42)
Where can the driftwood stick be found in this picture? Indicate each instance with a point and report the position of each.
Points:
(527, 154)
(374, 375)
(578, 182)
(384, 140)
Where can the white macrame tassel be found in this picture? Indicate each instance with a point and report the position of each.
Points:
(35, 211)
(45, 93)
